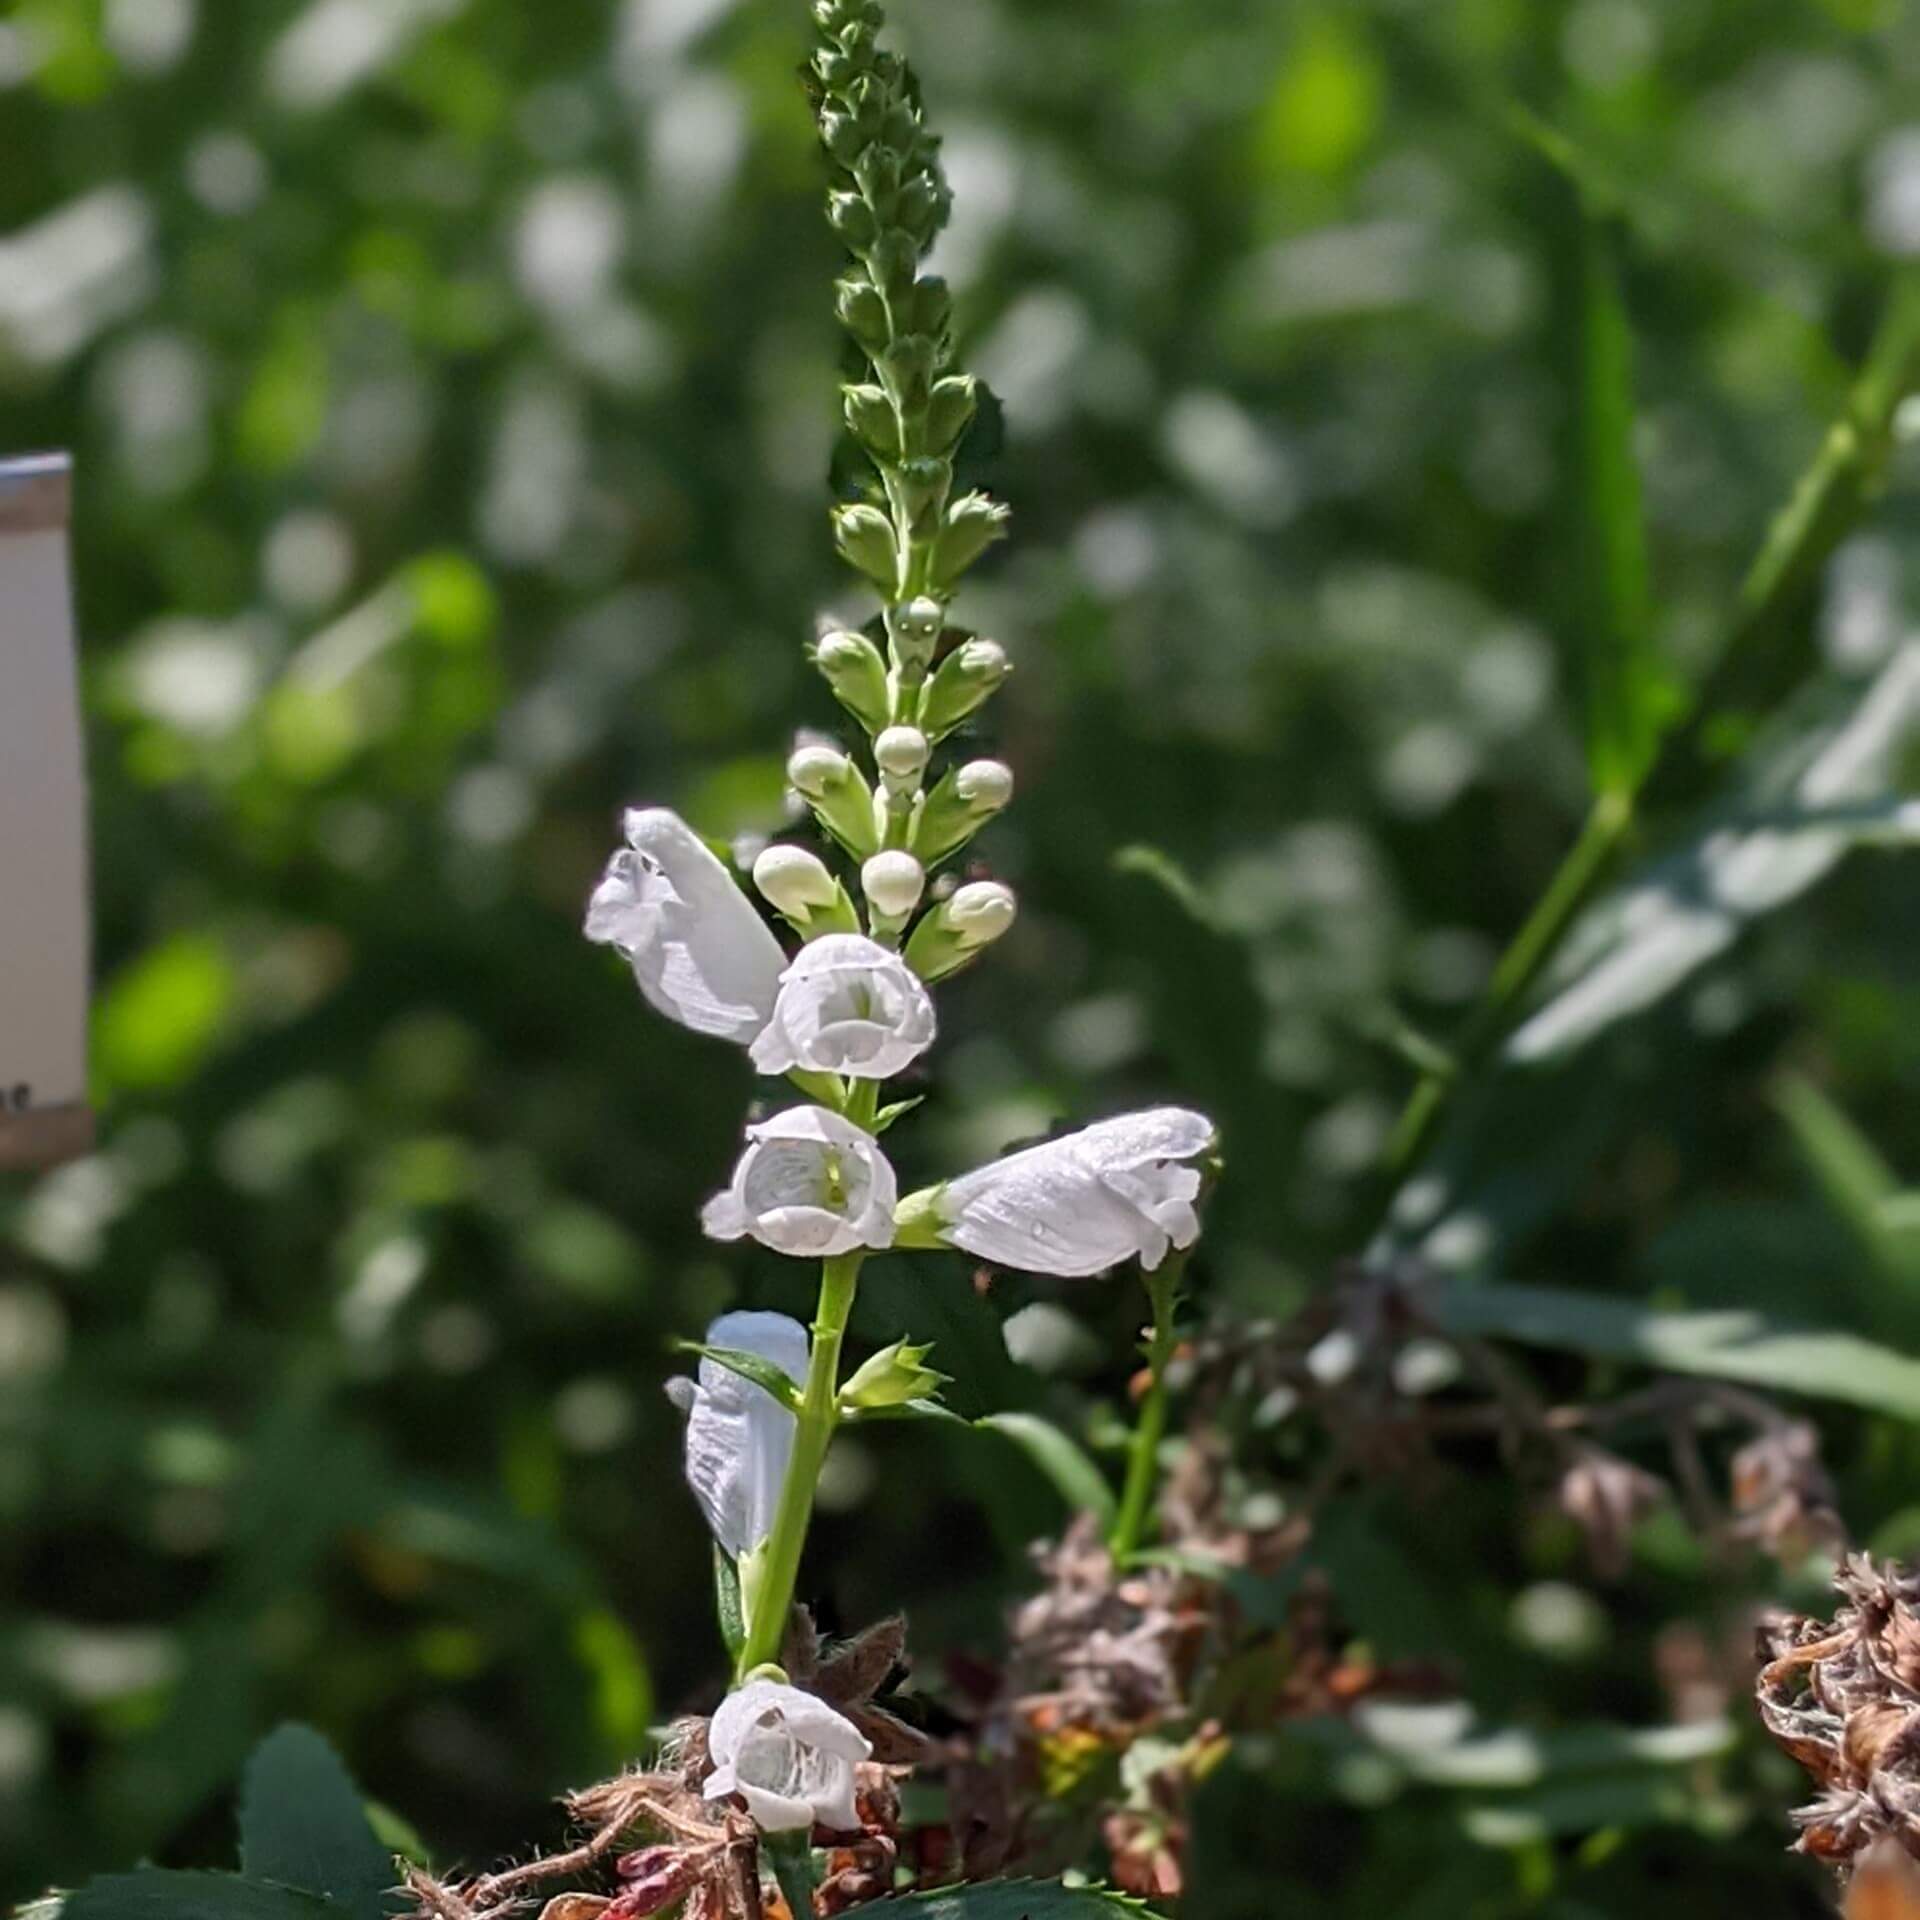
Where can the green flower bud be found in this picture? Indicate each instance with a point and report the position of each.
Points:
(864, 536)
(916, 1220)
(974, 523)
(923, 485)
(862, 312)
(965, 680)
(893, 260)
(893, 882)
(853, 667)
(872, 420)
(960, 806)
(907, 367)
(950, 406)
(798, 886)
(928, 308)
(894, 1375)
(954, 932)
(901, 755)
(852, 219)
(838, 794)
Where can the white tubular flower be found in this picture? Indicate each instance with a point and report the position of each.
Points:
(847, 1005)
(739, 1437)
(700, 952)
(1077, 1205)
(788, 1755)
(810, 1184)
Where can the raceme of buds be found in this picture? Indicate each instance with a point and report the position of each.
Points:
(901, 755)
(1118, 1190)
(960, 927)
(699, 951)
(960, 806)
(846, 1005)
(894, 1376)
(810, 1184)
(893, 883)
(962, 682)
(838, 793)
(739, 1437)
(788, 1755)
(798, 886)
(853, 667)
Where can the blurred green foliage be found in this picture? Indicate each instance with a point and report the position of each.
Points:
(450, 382)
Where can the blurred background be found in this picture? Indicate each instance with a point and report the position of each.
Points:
(450, 388)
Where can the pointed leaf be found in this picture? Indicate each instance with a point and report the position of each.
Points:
(1721, 1345)
(155, 1895)
(749, 1366)
(1074, 1476)
(304, 1824)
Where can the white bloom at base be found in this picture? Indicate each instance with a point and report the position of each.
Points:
(811, 1184)
(701, 953)
(739, 1437)
(1077, 1205)
(847, 1005)
(788, 1755)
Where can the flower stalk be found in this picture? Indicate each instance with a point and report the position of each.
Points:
(779, 1569)
(1143, 1450)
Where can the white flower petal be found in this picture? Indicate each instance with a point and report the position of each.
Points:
(788, 1754)
(810, 1184)
(1080, 1204)
(739, 1437)
(700, 952)
(847, 1005)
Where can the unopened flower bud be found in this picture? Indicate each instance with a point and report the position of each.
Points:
(793, 880)
(894, 1376)
(959, 928)
(960, 806)
(965, 680)
(893, 883)
(852, 666)
(838, 794)
(865, 538)
(901, 755)
(974, 523)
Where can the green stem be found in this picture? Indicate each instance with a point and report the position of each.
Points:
(819, 1415)
(1143, 1452)
(1822, 510)
(1578, 879)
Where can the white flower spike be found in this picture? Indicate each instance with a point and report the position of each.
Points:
(810, 1184)
(847, 1005)
(739, 1437)
(788, 1755)
(1118, 1190)
(701, 953)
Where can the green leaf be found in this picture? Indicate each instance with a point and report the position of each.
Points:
(304, 1824)
(1736, 1344)
(1074, 1476)
(749, 1366)
(1857, 1182)
(1019, 1900)
(155, 1895)
(1609, 606)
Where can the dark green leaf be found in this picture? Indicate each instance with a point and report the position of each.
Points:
(1821, 1363)
(155, 1895)
(727, 1604)
(304, 1824)
(749, 1366)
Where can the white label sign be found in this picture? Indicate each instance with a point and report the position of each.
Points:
(44, 922)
